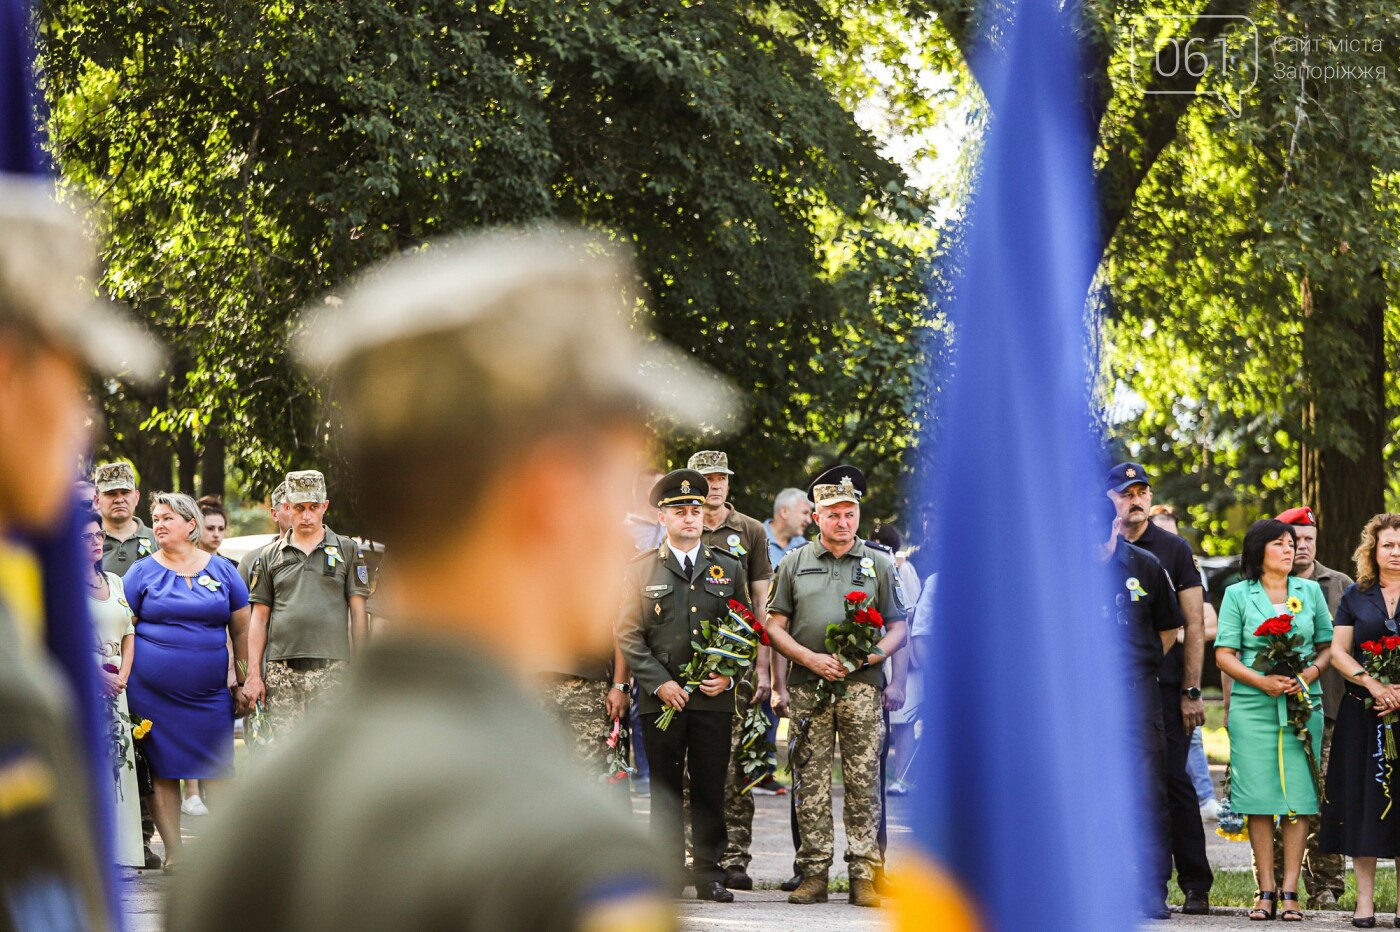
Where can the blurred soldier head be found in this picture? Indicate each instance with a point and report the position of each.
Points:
(53, 335)
(278, 508)
(494, 398)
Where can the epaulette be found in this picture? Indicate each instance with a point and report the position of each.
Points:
(876, 545)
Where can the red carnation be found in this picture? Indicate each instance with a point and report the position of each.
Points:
(1391, 642)
(1372, 647)
(856, 598)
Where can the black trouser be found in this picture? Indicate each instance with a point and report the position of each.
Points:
(1149, 746)
(698, 741)
(1188, 835)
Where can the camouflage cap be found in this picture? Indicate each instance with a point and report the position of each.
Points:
(709, 462)
(838, 484)
(306, 485)
(44, 255)
(500, 332)
(279, 494)
(110, 477)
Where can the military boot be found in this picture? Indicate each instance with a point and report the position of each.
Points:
(863, 893)
(812, 890)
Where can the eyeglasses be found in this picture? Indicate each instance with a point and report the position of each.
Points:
(94, 538)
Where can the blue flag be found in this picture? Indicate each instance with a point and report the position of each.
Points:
(1022, 819)
(68, 629)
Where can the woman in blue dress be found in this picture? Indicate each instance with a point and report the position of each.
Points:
(187, 603)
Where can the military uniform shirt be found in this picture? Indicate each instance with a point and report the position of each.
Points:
(1144, 604)
(332, 834)
(746, 539)
(661, 615)
(811, 593)
(309, 596)
(118, 556)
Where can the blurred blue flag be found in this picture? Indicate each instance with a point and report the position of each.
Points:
(68, 629)
(1024, 782)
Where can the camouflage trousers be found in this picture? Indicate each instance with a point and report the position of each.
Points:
(577, 704)
(290, 692)
(858, 719)
(1320, 871)
(738, 807)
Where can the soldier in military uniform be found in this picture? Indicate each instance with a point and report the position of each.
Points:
(667, 593)
(124, 538)
(53, 339)
(436, 793)
(277, 508)
(745, 537)
(308, 590)
(810, 595)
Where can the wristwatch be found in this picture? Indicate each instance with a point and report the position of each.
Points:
(1192, 692)
(627, 688)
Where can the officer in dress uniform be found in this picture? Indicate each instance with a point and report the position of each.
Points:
(53, 339)
(667, 593)
(809, 595)
(472, 376)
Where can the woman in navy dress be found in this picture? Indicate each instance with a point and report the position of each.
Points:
(187, 603)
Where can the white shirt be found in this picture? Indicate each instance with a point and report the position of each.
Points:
(681, 555)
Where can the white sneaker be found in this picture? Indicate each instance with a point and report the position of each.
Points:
(194, 806)
(1210, 810)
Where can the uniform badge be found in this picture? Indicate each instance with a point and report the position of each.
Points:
(333, 556)
(362, 574)
(144, 548)
(209, 582)
(1135, 588)
(717, 576)
(867, 567)
(685, 486)
(1131, 473)
(735, 544)
(253, 576)
(658, 609)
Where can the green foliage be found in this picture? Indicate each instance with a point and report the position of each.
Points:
(251, 157)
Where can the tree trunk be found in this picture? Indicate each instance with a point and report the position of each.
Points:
(1345, 491)
(212, 479)
(188, 461)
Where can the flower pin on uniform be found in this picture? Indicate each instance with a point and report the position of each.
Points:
(867, 567)
(1135, 587)
(208, 582)
(333, 556)
(144, 548)
(735, 544)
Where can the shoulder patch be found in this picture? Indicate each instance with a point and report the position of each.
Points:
(362, 574)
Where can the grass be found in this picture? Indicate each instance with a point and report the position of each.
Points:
(1236, 888)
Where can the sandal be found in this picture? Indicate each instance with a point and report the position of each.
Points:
(1261, 913)
(1291, 915)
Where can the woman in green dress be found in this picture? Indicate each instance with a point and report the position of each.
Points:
(1269, 773)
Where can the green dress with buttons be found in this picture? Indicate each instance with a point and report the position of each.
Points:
(1268, 767)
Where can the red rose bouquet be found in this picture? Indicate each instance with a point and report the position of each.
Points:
(1283, 655)
(1382, 661)
(729, 646)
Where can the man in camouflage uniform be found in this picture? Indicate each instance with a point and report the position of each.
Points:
(53, 338)
(124, 538)
(810, 595)
(744, 537)
(308, 590)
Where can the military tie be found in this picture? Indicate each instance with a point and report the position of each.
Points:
(689, 567)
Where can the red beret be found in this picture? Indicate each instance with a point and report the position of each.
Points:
(1300, 517)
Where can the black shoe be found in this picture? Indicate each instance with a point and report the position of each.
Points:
(1364, 922)
(153, 861)
(792, 883)
(736, 878)
(713, 890)
(1197, 904)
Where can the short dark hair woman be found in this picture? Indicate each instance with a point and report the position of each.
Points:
(1269, 772)
(1358, 818)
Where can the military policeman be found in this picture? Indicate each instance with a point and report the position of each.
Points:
(53, 338)
(668, 591)
(473, 377)
(124, 538)
(1145, 615)
(308, 590)
(809, 595)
